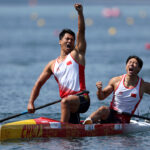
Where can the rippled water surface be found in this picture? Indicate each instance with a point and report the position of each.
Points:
(29, 40)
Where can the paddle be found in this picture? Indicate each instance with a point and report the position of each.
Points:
(133, 115)
(25, 112)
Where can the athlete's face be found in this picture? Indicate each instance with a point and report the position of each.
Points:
(132, 67)
(67, 43)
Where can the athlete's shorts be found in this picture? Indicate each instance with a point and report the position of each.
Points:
(84, 106)
(114, 117)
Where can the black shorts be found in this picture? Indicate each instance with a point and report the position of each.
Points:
(111, 118)
(84, 106)
(114, 117)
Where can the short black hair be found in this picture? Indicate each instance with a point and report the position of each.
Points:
(140, 61)
(64, 31)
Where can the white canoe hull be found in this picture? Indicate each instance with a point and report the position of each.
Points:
(136, 126)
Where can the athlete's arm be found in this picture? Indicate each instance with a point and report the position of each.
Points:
(102, 94)
(147, 87)
(79, 52)
(45, 75)
(112, 85)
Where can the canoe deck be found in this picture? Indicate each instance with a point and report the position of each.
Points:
(45, 128)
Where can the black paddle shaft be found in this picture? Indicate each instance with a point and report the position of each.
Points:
(23, 113)
(136, 116)
(83, 92)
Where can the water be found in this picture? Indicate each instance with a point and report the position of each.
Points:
(28, 44)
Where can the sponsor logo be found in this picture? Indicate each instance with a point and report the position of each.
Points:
(55, 125)
(90, 127)
(118, 127)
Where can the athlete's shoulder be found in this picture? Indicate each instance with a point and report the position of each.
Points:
(74, 53)
(51, 64)
(145, 86)
(116, 79)
(78, 56)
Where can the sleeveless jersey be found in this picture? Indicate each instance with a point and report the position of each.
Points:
(126, 99)
(69, 76)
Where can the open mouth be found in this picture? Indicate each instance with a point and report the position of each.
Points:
(68, 46)
(131, 69)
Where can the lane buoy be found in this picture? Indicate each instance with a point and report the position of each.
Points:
(115, 12)
(147, 46)
(142, 14)
(112, 31)
(34, 16)
(111, 12)
(41, 22)
(130, 21)
(88, 21)
(106, 12)
(56, 33)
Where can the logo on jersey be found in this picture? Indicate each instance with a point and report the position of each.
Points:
(133, 95)
(69, 62)
(120, 93)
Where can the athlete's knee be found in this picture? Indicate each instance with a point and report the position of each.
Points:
(103, 109)
(65, 101)
(104, 112)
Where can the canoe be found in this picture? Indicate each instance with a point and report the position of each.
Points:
(45, 127)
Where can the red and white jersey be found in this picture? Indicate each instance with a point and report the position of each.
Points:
(69, 76)
(126, 99)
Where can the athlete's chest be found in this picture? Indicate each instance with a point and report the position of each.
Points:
(126, 92)
(67, 66)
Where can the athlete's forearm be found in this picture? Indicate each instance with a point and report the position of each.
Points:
(81, 23)
(35, 93)
(81, 42)
(45, 75)
(100, 94)
(103, 93)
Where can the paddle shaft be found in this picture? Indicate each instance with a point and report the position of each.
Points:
(136, 116)
(25, 112)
